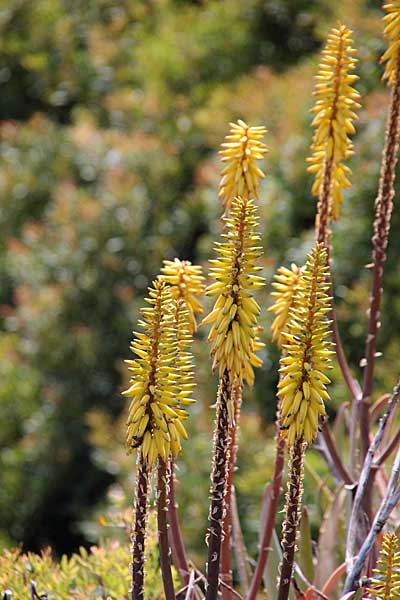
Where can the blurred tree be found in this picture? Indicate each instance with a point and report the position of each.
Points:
(111, 112)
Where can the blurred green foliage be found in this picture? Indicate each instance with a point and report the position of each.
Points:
(111, 116)
(101, 572)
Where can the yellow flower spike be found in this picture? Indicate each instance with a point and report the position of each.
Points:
(234, 316)
(161, 380)
(392, 34)
(240, 152)
(385, 585)
(333, 121)
(186, 282)
(286, 282)
(307, 352)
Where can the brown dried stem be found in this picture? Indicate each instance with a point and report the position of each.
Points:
(162, 509)
(139, 531)
(292, 508)
(383, 210)
(218, 488)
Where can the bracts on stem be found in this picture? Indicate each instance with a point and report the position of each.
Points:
(292, 512)
(139, 530)
(226, 549)
(218, 488)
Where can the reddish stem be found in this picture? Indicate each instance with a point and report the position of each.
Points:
(383, 210)
(162, 508)
(270, 522)
(240, 548)
(175, 534)
(333, 453)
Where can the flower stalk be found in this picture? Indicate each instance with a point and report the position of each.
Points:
(218, 487)
(139, 530)
(334, 115)
(270, 523)
(302, 389)
(226, 550)
(186, 283)
(292, 514)
(177, 545)
(286, 285)
(234, 324)
(335, 109)
(160, 390)
(240, 177)
(163, 476)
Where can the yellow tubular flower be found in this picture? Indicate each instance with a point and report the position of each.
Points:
(186, 282)
(336, 102)
(386, 580)
(161, 375)
(302, 387)
(240, 176)
(234, 316)
(286, 282)
(392, 34)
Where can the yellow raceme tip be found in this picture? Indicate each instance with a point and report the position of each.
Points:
(285, 284)
(336, 102)
(187, 282)
(240, 152)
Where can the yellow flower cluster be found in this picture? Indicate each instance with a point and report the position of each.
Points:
(392, 34)
(286, 282)
(385, 585)
(302, 387)
(234, 316)
(240, 176)
(336, 102)
(161, 377)
(186, 282)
